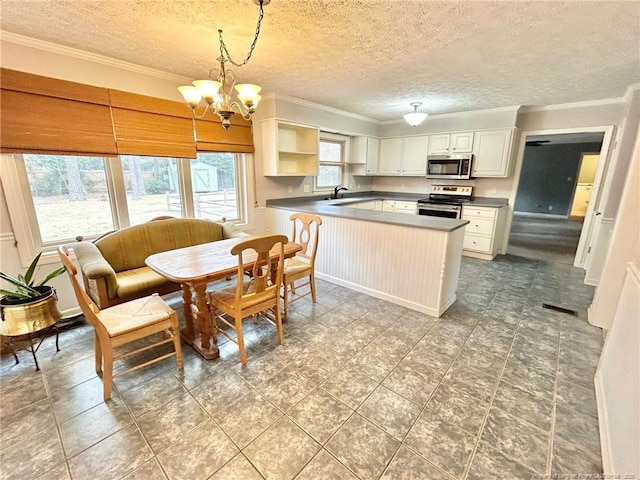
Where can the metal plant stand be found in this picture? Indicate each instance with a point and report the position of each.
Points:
(10, 340)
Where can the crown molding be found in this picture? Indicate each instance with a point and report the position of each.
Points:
(318, 106)
(563, 106)
(511, 108)
(88, 56)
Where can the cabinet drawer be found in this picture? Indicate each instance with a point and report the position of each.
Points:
(483, 226)
(475, 212)
(477, 243)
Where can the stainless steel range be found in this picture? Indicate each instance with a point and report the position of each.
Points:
(445, 201)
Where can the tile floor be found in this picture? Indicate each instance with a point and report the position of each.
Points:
(363, 389)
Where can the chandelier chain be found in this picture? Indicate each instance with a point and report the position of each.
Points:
(224, 53)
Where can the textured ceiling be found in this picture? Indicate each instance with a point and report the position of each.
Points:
(371, 57)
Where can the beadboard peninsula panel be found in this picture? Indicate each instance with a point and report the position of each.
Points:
(414, 267)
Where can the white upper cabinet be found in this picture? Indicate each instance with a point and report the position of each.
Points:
(450, 143)
(289, 149)
(492, 153)
(390, 156)
(365, 152)
(414, 156)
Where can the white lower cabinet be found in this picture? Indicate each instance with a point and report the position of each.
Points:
(483, 234)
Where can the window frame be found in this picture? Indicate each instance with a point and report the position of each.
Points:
(22, 213)
(345, 142)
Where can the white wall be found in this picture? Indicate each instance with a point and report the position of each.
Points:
(616, 307)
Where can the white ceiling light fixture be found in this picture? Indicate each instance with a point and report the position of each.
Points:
(214, 94)
(415, 118)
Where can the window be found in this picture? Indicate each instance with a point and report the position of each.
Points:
(152, 190)
(53, 199)
(331, 160)
(57, 184)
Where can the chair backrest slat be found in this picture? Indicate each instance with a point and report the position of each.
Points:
(305, 233)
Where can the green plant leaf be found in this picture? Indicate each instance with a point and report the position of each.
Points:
(19, 284)
(6, 293)
(54, 274)
(31, 269)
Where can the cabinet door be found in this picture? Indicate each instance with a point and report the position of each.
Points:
(492, 154)
(439, 144)
(414, 156)
(461, 142)
(373, 145)
(390, 156)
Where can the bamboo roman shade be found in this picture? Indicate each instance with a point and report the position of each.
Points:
(151, 126)
(211, 137)
(45, 115)
(41, 114)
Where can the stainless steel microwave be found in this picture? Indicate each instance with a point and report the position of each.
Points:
(457, 167)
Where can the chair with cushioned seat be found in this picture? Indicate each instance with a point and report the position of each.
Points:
(125, 323)
(306, 227)
(258, 294)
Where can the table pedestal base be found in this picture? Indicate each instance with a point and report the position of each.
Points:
(210, 353)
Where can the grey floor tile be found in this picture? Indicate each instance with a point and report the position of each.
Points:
(350, 386)
(578, 428)
(522, 403)
(575, 397)
(149, 470)
(282, 450)
(577, 373)
(72, 401)
(197, 370)
(489, 463)
(320, 414)
(26, 422)
(21, 391)
(112, 458)
(442, 444)
(517, 373)
(406, 465)
(481, 359)
(410, 384)
(172, 420)
(362, 447)
(199, 454)
(316, 365)
(219, 391)
(569, 458)
(325, 467)
(247, 416)
(457, 408)
(238, 468)
(153, 394)
(30, 456)
(61, 472)
(519, 440)
(373, 362)
(389, 411)
(473, 382)
(286, 388)
(92, 426)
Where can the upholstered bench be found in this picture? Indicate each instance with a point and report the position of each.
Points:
(113, 267)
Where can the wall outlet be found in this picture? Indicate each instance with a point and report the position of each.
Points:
(494, 190)
(307, 188)
(550, 207)
(290, 189)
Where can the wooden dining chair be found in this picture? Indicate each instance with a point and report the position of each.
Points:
(306, 227)
(125, 323)
(250, 296)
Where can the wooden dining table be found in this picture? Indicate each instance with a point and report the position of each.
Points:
(193, 268)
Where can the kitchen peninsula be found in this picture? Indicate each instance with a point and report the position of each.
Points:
(410, 260)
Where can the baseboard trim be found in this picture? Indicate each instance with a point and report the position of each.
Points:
(390, 298)
(603, 423)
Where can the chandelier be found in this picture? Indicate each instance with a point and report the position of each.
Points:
(415, 118)
(214, 94)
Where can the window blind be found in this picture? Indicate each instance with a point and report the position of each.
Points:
(41, 114)
(211, 137)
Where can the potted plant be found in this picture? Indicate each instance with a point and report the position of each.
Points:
(30, 306)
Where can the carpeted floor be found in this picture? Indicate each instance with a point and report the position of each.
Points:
(552, 239)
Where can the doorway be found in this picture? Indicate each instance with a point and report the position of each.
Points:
(557, 180)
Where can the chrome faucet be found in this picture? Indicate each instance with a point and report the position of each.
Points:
(337, 190)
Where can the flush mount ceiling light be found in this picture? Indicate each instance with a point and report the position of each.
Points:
(415, 118)
(214, 94)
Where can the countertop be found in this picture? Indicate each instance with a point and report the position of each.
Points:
(336, 208)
